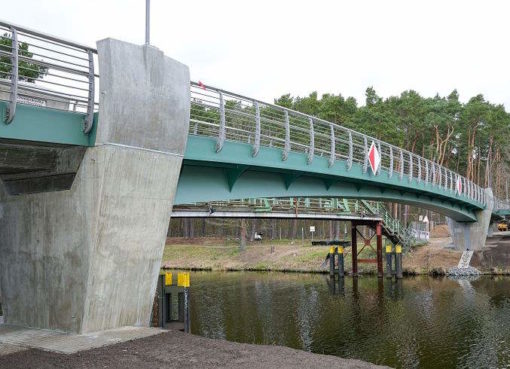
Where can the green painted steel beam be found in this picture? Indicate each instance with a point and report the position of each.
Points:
(32, 123)
(266, 175)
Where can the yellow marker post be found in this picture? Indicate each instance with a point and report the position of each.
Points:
(168, 279)
(340, 249)
(183, 280)
(398, 261)
(389, 257)
(331, 250)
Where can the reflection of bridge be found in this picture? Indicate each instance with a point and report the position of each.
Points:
(91, 167)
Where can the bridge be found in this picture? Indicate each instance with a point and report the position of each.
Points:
(92, 164)
(362, 211)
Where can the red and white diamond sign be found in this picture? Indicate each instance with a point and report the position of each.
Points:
(458, 185)
(374, 158)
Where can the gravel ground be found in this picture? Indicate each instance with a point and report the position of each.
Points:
(175, 349)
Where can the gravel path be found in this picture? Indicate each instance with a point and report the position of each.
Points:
(174, 349)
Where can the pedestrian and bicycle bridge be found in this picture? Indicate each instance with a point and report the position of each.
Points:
(97, 145)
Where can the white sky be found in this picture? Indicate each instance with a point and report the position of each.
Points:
(264, 49)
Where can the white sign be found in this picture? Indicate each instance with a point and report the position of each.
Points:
(31, 101)
(374, 158)
(312, 229)
(426, 219)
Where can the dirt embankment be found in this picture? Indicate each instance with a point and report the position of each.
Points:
(179, 350)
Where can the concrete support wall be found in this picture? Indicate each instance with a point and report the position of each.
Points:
(87, 259)
(472, 236)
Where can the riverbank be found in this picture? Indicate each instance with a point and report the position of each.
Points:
(435, 258)
(175, 349)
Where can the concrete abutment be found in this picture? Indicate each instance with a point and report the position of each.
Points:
(472, 236)
(87, 259)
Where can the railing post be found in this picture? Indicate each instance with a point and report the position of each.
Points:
(419, 169)
(433, 168)
(332, 154)
(365, 149)
(256, 142)
(286, 147)
(222, 130)
(311, 149)
(440, 172)
(89, 118)
(401, 164)
(380, 156)
(391, 162)
(427, 179)
(410, 166)
(445, 179)
(13, 98)
(349, 158)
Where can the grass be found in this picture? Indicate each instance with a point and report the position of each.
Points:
(278, 255)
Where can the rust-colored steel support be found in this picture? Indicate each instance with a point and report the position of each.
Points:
(354, 249)
(378, 232)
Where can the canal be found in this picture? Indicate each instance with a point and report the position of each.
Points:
(420, 322)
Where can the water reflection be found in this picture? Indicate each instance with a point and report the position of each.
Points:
(421, 322)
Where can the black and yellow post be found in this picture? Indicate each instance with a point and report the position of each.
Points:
(172, 296)
(341, 270)
(332, 261)
(389, 257)
(183, 281)
(398, 261)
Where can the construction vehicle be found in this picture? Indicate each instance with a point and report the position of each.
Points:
(502, 226)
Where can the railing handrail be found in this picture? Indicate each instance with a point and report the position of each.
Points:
(47, 36)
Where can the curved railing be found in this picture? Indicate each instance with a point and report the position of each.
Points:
(229, 116)
(43, 70)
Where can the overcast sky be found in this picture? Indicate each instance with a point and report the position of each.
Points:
(264, 49)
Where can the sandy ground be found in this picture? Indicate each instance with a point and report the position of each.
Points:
(179, 350)
(435, 257)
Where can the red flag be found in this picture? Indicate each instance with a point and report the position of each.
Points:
(201, 85)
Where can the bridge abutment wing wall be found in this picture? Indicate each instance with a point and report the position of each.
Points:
(472, 236)
(87, 259)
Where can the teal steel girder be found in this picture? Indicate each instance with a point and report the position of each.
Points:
(39, 124)
(203, 178)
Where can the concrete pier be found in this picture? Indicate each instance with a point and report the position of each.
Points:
(87, 259)
(472, 236)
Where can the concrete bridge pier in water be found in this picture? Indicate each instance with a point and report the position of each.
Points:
(87, 258)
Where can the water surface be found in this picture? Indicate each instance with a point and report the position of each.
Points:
(421, 322)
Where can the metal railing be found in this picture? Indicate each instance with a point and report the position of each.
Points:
(405, 235)
(229, 116)
(43, 70)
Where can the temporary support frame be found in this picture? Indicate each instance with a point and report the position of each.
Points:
(367, 242)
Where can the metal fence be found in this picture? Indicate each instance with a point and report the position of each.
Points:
(229, 116)
(42, 70)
